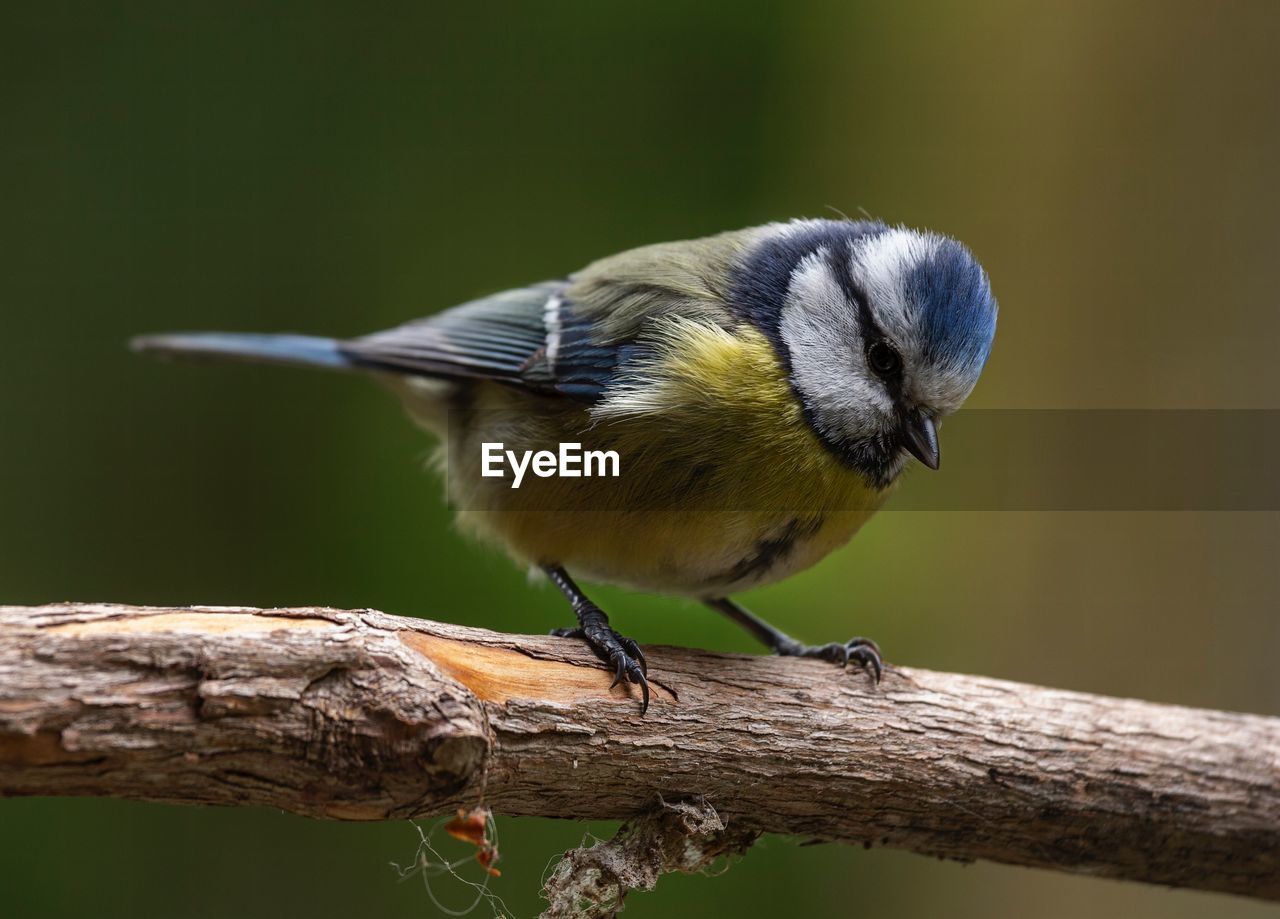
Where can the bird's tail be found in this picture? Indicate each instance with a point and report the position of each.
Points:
(295, 350)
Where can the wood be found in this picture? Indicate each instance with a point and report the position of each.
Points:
(356, 715)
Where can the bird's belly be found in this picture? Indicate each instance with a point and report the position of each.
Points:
(697, 510)
(719, 553)
(688, 553)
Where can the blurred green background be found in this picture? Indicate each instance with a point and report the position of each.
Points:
(340, 168)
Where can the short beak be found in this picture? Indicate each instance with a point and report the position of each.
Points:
(920, 436)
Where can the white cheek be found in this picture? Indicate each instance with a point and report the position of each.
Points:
(820, 331)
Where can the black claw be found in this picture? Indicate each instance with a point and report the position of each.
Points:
(869, 659)
(867, 652)
(633, 649)
(622, 654)
(864, 643)
(863, 651)
(644, 694)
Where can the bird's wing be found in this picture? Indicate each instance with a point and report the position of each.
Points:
(566, 338)
(500, 337)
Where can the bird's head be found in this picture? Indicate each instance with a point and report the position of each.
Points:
(884, 330)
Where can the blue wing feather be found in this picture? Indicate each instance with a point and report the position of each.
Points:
(530, 337)
(296, 350)
(497, 337)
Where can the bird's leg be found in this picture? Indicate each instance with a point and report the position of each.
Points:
(623, 654)
(862, 650)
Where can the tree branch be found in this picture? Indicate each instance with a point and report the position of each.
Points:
(357, 715)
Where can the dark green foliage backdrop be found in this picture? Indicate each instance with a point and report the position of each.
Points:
(338, 168)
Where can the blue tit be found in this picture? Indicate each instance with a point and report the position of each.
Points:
(763, 388)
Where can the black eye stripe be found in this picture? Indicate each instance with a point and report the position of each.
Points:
(872, 334)
(855, 294)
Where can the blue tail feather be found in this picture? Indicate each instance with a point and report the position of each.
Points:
(298, 350)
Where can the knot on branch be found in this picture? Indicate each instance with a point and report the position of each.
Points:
(591, 882)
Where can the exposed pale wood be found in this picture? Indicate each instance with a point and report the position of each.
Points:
(362, 716)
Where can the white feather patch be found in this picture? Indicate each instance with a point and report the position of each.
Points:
(551, 319)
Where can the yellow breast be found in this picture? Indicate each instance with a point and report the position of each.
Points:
(723, 484)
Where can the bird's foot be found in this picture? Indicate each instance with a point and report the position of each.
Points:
(618, 651)
(862, 651)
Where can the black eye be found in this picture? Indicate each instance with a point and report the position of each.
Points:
(884, 359)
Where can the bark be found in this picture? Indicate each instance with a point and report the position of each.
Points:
(592, 882)
(357, 715)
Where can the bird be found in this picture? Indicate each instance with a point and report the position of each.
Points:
(761, 392)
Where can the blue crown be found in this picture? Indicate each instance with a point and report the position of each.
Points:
(957, 309)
